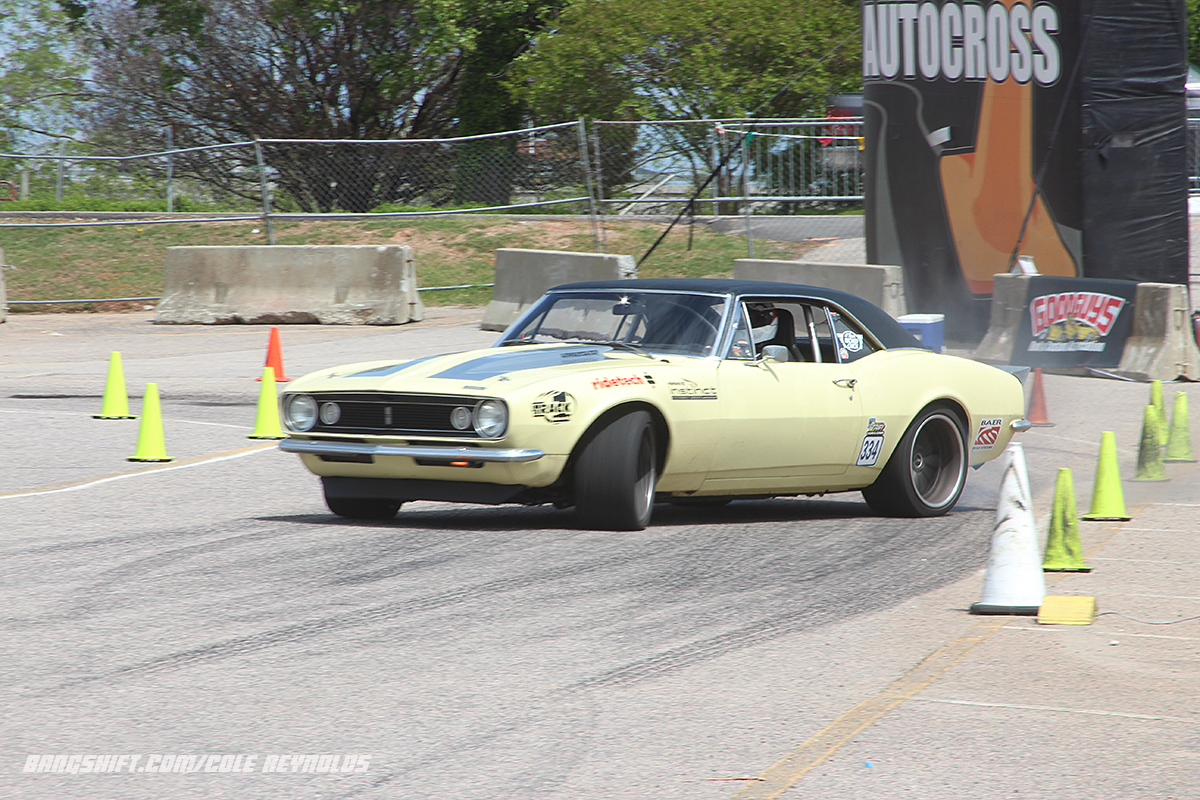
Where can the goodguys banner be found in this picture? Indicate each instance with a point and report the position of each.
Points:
(1071, 323)
(1053, 129)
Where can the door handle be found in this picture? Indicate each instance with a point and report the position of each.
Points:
(846, 383)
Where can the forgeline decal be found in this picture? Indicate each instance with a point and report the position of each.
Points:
(872, 444)
(962, 41)
(690, 390)
(1072, 321)
(610, 381)
(554, 406)
(989, 432)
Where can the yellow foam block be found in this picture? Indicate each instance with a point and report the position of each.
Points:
(1064, 610)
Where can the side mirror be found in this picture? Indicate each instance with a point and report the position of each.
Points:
(775, 352)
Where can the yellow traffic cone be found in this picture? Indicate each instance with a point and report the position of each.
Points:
(1156, 400)
(1179, 439)
(1064, 553)
(1150, 459)
(266, 425)
(150, 445)
(1108, 502)
(116, 401)
(1014, 583)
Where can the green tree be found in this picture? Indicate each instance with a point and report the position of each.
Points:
(627, 59)
(219, 71)
(705, 59)
(486, 103)
(41, 86)
(1193, 31)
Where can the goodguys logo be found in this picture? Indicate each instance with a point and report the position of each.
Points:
(962, 41)
(1072, 320)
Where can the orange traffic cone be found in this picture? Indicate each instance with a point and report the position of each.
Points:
(275, 357)
(1037, 402)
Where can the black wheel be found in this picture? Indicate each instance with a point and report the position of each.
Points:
(927, 472)
(363, 507)
(616, 474)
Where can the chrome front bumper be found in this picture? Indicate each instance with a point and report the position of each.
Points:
(433, 452)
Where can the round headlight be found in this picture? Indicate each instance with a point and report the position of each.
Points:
(330, 413)
(460, 418)
(299, 412)
(491, 419)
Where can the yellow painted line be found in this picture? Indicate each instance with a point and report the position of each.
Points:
(776, 779)
(84, 483)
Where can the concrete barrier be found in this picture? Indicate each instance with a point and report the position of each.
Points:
(880, 284)
(1010, 293)
(522, 276)
(274, 285)
(1161, 345)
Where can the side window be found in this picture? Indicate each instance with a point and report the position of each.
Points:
(742, 346)
(852, 343)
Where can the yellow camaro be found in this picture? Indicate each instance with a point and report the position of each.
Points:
(611, 396)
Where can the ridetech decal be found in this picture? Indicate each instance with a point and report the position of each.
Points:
(1072, 320)
(962, 41)
(609, 381)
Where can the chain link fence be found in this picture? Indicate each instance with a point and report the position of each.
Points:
(732, 166)
(573, 168)
(773, 166)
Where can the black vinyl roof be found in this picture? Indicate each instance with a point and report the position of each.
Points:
(890, 333)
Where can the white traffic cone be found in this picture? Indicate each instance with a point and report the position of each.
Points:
(1014, 583)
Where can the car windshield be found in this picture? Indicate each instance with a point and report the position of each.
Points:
(658, 322)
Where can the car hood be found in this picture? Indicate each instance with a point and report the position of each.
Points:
(490, 369)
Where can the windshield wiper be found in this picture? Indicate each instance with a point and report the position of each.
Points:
(632, 348)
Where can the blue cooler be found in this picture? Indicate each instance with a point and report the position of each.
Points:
(928, 328)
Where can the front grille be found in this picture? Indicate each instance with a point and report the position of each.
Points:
(395, 414)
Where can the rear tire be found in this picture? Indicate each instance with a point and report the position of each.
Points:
(926, 474)
(363, 507)
(616, 474)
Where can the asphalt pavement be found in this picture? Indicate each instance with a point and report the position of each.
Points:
(917, 699)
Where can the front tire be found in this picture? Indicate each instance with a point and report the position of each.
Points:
(616, 475)
(925, 475)
(363, 507)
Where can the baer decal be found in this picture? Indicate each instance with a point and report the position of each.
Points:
(554, 406)
(872, 444)
(989, 432)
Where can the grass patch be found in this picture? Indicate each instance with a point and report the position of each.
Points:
(65, 263)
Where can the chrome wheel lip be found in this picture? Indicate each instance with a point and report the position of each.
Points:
(644, 487)
(939, 438)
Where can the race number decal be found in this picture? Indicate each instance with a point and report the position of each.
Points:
(989, 432)
(872, 444)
